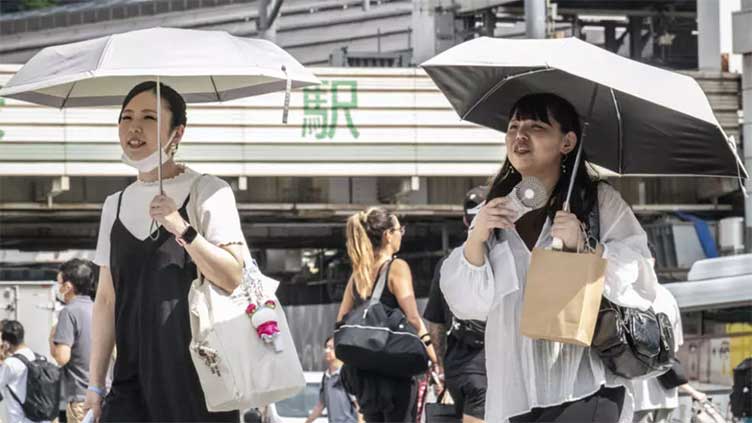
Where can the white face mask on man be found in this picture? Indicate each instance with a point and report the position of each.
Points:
(149, 163)
(59, 295)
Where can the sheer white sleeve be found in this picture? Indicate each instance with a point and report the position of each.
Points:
(630, 278)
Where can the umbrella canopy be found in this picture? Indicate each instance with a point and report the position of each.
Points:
(644, 120)
(203, 66)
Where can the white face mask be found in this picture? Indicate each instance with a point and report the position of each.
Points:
(150, 162)
(59, 295)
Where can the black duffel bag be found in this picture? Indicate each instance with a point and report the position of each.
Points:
(379, 339)
(633, 343)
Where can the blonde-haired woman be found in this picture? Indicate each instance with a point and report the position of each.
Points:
(374, 236)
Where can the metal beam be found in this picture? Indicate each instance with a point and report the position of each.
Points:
(604, 12)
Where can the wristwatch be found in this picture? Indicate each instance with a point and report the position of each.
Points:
(188, 236)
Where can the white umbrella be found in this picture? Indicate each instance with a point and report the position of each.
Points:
(203, 66)
(640, 120)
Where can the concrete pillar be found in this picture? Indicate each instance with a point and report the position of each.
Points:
(609, 33)
(709, 35)
(535, 18)
(742, 44)
(635, 37)
(423, 34)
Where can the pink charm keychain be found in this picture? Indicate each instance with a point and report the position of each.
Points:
(264, 319)
(261, 311)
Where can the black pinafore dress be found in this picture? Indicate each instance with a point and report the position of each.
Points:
(154, 376)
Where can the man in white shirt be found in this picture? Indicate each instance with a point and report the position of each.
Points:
(12, 371)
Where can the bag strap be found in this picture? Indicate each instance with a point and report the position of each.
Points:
(194, 214)
(27, 364)
(23, 359)
(594, 223)
(378, 290)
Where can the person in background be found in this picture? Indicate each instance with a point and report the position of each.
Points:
(340, 406)
(70, 340)
(459, 344)
(13, 372)
(374, 236)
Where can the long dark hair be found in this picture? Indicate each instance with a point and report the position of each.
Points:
(365, 232)
(542, 107)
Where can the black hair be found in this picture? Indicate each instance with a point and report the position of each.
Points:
(330, 337)
(543, 107)
(175, 101)
(80, 273)
(13, 332)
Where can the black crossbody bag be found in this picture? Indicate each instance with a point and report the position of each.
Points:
(632, 343)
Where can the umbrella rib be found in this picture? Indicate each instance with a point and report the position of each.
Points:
(65, 99)
(216, 91)
(619, 130)
(499, 85)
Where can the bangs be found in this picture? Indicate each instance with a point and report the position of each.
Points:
(531, 107)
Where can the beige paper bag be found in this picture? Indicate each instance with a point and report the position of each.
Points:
(563, 295)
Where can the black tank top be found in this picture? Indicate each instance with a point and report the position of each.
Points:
(387, 297)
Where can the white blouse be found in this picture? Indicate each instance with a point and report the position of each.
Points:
(217, 210)
(524, 373)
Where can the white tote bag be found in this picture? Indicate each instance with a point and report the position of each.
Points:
(237, 368)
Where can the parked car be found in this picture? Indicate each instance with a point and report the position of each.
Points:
(294, 409)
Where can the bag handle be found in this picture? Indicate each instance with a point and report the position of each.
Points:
(381, 283)
(205, 316)
(194, 215)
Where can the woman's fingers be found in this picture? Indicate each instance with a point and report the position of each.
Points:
(501, 212)
(495, 202)
(498, 223)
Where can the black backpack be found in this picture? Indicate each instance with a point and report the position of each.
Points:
(42, 389)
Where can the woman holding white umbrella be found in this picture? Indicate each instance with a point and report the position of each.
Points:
(484, 279)
(145, 276)
(148, 251)
(546, 95)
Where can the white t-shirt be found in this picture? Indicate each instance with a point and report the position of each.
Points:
(13, 375)
(217, 210)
